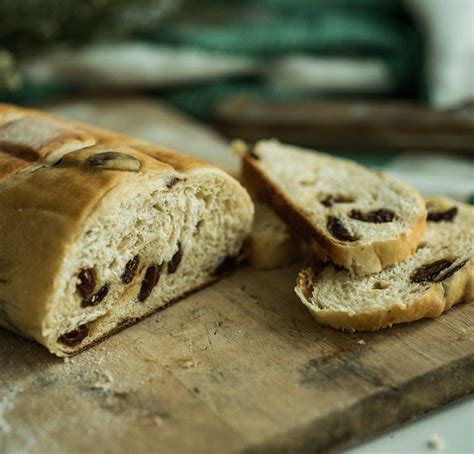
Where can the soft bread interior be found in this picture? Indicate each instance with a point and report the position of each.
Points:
(308, 178)
(271, 245)
(198, 223)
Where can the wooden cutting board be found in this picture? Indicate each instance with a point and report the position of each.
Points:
(238, 366)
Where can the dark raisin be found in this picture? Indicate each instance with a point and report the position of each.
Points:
(130, 270)
(175, 260)
(251, 152)
(339, 267)
(86, 283)
(357, 215)
(381, 215)
(375, 216)
(74, 337)
(226, 266)
(114, 160)
(438, 216)
(151, 278)
(338, 229)
(429, 272)
(96, 298)
(450, 272)
(172, 182)
(330, 200)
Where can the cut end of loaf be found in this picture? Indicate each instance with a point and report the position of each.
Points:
(147, 247)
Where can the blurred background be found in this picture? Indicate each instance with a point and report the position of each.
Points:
(386, 82)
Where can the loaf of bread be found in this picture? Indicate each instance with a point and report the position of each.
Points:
(361, 220)
(99, 230)
(438, 275)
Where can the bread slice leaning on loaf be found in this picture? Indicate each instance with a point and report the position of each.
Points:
(271, 244)
(359, 219)
(98, 230)
(438, 275)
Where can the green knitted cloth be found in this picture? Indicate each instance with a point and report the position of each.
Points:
(262, 29)
(378, 29)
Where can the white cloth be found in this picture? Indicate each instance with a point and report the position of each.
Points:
(145, 65)
(449, 29)
(434, 174)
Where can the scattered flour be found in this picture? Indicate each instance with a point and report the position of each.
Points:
(435, 442)
(6, 403)
(187, 363)
(104, 381)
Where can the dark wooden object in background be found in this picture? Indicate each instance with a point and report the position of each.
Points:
(355, 125)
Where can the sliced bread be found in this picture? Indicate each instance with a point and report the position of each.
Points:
(438, 275)
(356, 218)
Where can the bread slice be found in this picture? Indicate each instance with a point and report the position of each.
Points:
(271, 244)
(99, 230)
(438, 275)
(361, 220)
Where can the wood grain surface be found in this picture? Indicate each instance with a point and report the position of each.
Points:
(238, 366)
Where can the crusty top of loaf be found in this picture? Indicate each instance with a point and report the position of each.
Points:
(30, 138)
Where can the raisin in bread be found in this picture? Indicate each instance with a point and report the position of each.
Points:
(271, 245)
(98, 230)
(438, 275)
(361, 220)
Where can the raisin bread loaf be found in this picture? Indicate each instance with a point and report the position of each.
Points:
(99, 230)
(361, 220)
(438, 275)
